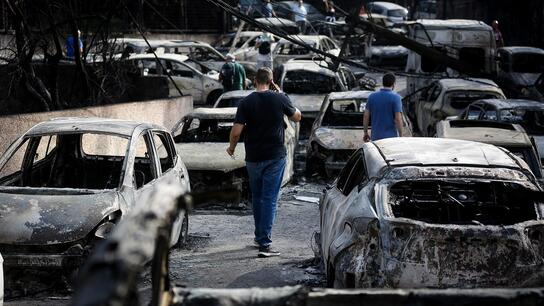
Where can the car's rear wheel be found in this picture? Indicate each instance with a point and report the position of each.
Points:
(213, 96)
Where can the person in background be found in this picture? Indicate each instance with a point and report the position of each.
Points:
(263, 45)
(232, 75)
(71, 45)
(330, 13)
(385, 109)
(260, 115)
(300, 14)
(499, 41)
(267, 10)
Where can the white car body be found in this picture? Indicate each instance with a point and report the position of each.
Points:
(286, 50)
(436, 103)
(191, 79)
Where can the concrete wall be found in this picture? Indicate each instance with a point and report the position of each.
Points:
(165, 112)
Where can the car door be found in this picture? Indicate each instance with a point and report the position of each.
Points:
(186, 78)
(290, 140)
(337, 200)
(169, 171)
(145, 166)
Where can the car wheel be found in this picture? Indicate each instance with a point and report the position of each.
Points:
(213, 96)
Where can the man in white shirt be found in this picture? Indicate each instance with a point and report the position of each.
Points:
(300, 16)
(264, 46)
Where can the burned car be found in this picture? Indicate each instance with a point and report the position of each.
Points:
(449, 97)
(431, 212)
(338, 132)
(307, 83)
(201, 139)
(191, 77)
(66, 183)
(505, 135)
(286, 50)
(519, 68)
(529, 114)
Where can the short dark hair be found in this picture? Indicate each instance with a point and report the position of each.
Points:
(388, 80)
(263, 76)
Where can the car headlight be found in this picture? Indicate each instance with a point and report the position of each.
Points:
(106, 227)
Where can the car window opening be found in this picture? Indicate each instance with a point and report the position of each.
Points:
(463, 203)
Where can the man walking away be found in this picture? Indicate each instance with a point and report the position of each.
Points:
(232, 75)
(300, 16)
(499, 40)
(264, 46)
(330, 13)
(267, 10)
(385, 109)
(260, 115)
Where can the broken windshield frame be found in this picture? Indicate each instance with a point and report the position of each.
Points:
(345, 113)
(531, 120)
(195, 130)
(304, 82)
(76, 160)
(527, 63)
(461, 99)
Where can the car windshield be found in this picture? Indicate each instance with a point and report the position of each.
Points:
(347, 113)
(80, 161)
(531, 120)
(528, 63)
(305, 82)
(292, 49)
(397, 13)
(205, 130)
(460, 100)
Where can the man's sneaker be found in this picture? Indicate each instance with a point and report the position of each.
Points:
(267, 252)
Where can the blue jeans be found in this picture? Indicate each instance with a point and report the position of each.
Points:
(265, 181)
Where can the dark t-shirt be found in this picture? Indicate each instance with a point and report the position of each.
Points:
(262, 114)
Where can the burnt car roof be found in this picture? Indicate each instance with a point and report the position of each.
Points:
(439, 151)
(307, 65)
(472, 84)
(522, 49)
(491, 132)
(213, 113)
(91, 125)
(359, 94)
(513, 103)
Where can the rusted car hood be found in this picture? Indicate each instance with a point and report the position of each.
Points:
(340, 139)
(35, 216)
(307, 103)
(211, 156)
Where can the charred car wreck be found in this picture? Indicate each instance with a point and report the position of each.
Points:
(66, 183)
(337, 132)
(422, 212)
(201, 139)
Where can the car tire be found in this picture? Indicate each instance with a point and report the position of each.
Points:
(213, 96)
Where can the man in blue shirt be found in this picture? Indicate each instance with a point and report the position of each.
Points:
(385, 109)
